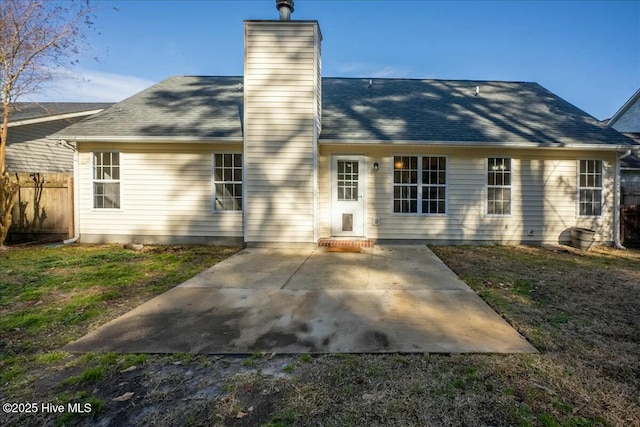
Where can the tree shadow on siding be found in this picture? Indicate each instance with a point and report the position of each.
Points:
(208, 113)
(355, 110)
(450, 112)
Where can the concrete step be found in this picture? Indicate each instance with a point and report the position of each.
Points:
(334, 242)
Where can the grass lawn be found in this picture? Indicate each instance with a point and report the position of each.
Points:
(581, 310)
(52, 295)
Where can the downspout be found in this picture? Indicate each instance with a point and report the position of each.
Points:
(616, 203)
(76, 191)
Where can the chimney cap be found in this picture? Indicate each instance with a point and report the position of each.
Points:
(285, 7)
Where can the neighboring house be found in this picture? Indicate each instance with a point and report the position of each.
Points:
(44, 168)
(284, 157)
(627, 121)
(28, 149)
(627, 118)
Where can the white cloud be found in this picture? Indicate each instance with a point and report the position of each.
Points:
(90, 86)
(367, 69)
(391, 72)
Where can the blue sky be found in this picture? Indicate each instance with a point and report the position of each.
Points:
(587, 52)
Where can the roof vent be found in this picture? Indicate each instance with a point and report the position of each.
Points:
(285, 7)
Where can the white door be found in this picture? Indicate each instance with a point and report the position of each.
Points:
(348, 188)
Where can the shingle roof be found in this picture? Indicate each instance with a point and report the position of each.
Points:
(450, 111)
(200, 107)
(353, 110)
(36, 110)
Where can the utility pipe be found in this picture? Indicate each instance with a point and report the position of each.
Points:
(76, 200)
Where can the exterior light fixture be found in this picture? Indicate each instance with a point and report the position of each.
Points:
(375, 166)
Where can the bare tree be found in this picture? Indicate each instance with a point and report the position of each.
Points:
(37, 38)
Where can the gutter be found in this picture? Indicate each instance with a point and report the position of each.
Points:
(150, 139)
(54, 118)
(76, 194)
(472, 144)
(616, 202)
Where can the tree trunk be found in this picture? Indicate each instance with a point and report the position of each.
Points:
(8, 193)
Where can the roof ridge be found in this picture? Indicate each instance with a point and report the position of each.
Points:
(370, 78)
(429, 79)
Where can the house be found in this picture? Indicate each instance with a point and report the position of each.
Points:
(627, 118)
(627, 121)
(44, 167)
(284, 157)
(28, 149)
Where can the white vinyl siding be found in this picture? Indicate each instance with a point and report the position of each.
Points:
(165, 191)
(281, 93)
(630, 120)
(29, 150)
(590, 187)
(543, 196)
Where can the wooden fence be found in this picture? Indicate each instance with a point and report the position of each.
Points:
(630, 224)
(630, 192)
(44, 210)
(630, 210)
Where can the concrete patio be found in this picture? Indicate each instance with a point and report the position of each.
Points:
(381, 300)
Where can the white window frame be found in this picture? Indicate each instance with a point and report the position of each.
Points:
(234, 182)
(106, 181)
(579, 187)
(488, 187)
(420, 185)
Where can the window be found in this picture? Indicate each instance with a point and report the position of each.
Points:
(106, 180)
(434, 185)
(419, 179)
(347, 180)
(498, 186)
(405, 184)
(590, 188)
(227, 182)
